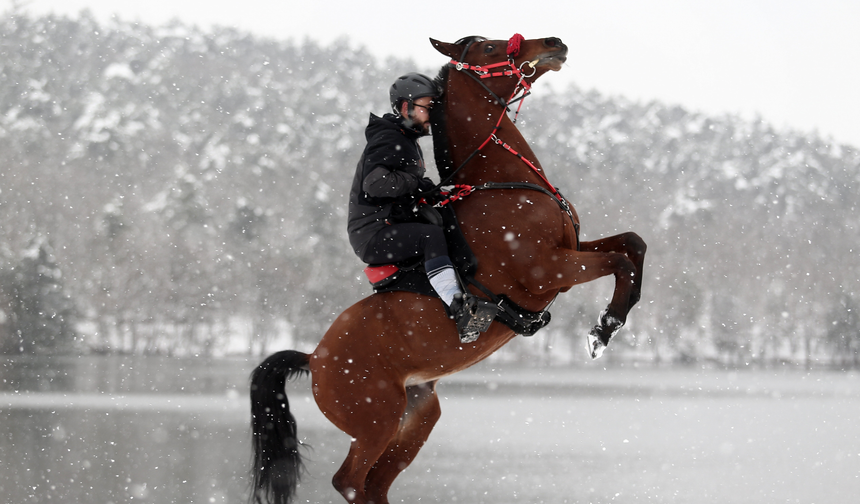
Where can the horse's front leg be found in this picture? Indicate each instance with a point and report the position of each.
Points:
(622, 256)
(631, 245)
(628, 287)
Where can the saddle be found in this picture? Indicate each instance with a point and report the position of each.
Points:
(410, 276)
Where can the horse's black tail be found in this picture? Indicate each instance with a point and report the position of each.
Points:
(277, 463)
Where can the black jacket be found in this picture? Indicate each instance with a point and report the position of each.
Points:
(387, 177)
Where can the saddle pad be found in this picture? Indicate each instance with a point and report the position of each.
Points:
(377, 274)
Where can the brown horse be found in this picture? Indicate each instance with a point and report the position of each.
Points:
(375, 370)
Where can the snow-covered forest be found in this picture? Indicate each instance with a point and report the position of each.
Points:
(164, 189)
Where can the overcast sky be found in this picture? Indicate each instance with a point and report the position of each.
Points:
(795, 63)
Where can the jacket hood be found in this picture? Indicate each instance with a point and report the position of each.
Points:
(390, 122)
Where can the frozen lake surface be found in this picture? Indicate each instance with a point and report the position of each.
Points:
(99, 430)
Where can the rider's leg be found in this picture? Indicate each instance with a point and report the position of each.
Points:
(443, 278)
(400, 242)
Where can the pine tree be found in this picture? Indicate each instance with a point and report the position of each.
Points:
(39, 314)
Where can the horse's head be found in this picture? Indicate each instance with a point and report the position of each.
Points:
(489, 73)
(534, 57)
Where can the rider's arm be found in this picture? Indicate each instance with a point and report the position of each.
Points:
(383, 182)
(394, 167)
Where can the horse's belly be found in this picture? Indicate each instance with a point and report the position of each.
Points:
(425, 377)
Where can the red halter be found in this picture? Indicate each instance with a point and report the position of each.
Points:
(486, 72)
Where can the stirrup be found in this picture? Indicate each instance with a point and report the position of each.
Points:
(473, 315)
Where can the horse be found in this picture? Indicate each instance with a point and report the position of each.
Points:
(375, 370)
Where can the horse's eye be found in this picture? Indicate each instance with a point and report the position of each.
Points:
(490, 48)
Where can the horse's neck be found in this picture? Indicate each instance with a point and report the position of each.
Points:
(470, 124)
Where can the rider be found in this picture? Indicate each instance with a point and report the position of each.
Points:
(383, 225)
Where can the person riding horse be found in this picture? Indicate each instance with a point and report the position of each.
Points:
(383, 226)
(374, 372)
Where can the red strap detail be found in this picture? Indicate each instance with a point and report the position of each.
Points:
(460, 191)
(514, 44)
(506, 73)
(478, 68)
(379, 273)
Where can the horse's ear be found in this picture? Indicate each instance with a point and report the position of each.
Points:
(451, 50)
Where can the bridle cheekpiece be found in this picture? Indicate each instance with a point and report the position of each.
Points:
(507, 68)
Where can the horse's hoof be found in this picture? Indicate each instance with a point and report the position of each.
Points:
(594, 345)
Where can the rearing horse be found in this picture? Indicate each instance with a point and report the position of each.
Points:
(375, 370)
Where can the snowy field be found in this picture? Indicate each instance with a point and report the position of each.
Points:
(170, 431)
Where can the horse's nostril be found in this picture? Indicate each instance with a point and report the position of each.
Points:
(552, 42)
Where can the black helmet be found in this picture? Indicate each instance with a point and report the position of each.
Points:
(410, 87)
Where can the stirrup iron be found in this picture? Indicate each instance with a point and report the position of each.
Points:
(474, 316)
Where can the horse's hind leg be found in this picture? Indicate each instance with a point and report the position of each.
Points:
(371, 436)
(362, 398)
(421, 415)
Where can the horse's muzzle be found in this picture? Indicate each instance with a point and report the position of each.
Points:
(556, 56)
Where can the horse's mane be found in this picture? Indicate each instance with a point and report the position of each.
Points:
(441, 151)
(439, 127)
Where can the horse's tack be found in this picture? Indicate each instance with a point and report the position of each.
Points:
(513, 312)
(522, 84)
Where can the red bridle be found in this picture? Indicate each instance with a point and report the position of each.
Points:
(489, 71)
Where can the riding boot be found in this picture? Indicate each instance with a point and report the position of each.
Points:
(472, 315)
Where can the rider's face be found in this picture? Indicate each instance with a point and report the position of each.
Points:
(420, 115)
